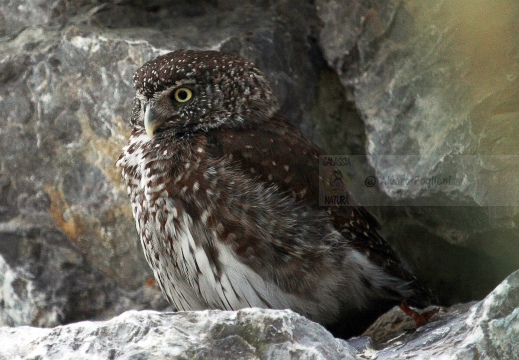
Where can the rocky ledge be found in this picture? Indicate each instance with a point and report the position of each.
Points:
(486, 329)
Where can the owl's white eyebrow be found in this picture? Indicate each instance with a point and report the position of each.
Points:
(183, 82)
(158, 94)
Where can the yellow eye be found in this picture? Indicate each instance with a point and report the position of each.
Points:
(182, 95)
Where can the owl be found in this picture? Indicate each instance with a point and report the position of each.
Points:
(225, 196)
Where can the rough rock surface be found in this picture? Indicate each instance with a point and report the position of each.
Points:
(488, 329)
(245, 334)
(439, 80)
(45, 282)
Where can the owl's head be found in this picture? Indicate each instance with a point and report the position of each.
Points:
(187, 91)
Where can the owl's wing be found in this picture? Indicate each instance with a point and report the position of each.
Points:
(277, 153)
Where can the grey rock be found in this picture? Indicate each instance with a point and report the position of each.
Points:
(59, 158)
(245, 334)
(439, 81)
(45, 281)
(15, 16)
(487, 329)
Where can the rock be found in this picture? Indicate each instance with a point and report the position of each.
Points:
(62, 197)
(486, 329)
(245, 334)
(440, 82)
(45, 281)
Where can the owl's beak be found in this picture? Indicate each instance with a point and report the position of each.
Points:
(151, 120)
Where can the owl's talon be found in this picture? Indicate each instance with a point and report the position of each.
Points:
(420, 319)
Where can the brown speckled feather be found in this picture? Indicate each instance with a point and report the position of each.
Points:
(295, 171)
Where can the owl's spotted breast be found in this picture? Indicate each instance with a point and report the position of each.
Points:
(225, 197)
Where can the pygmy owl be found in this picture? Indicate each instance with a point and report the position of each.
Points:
(225, 195)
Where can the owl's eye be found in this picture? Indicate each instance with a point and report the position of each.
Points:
(182, 95)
